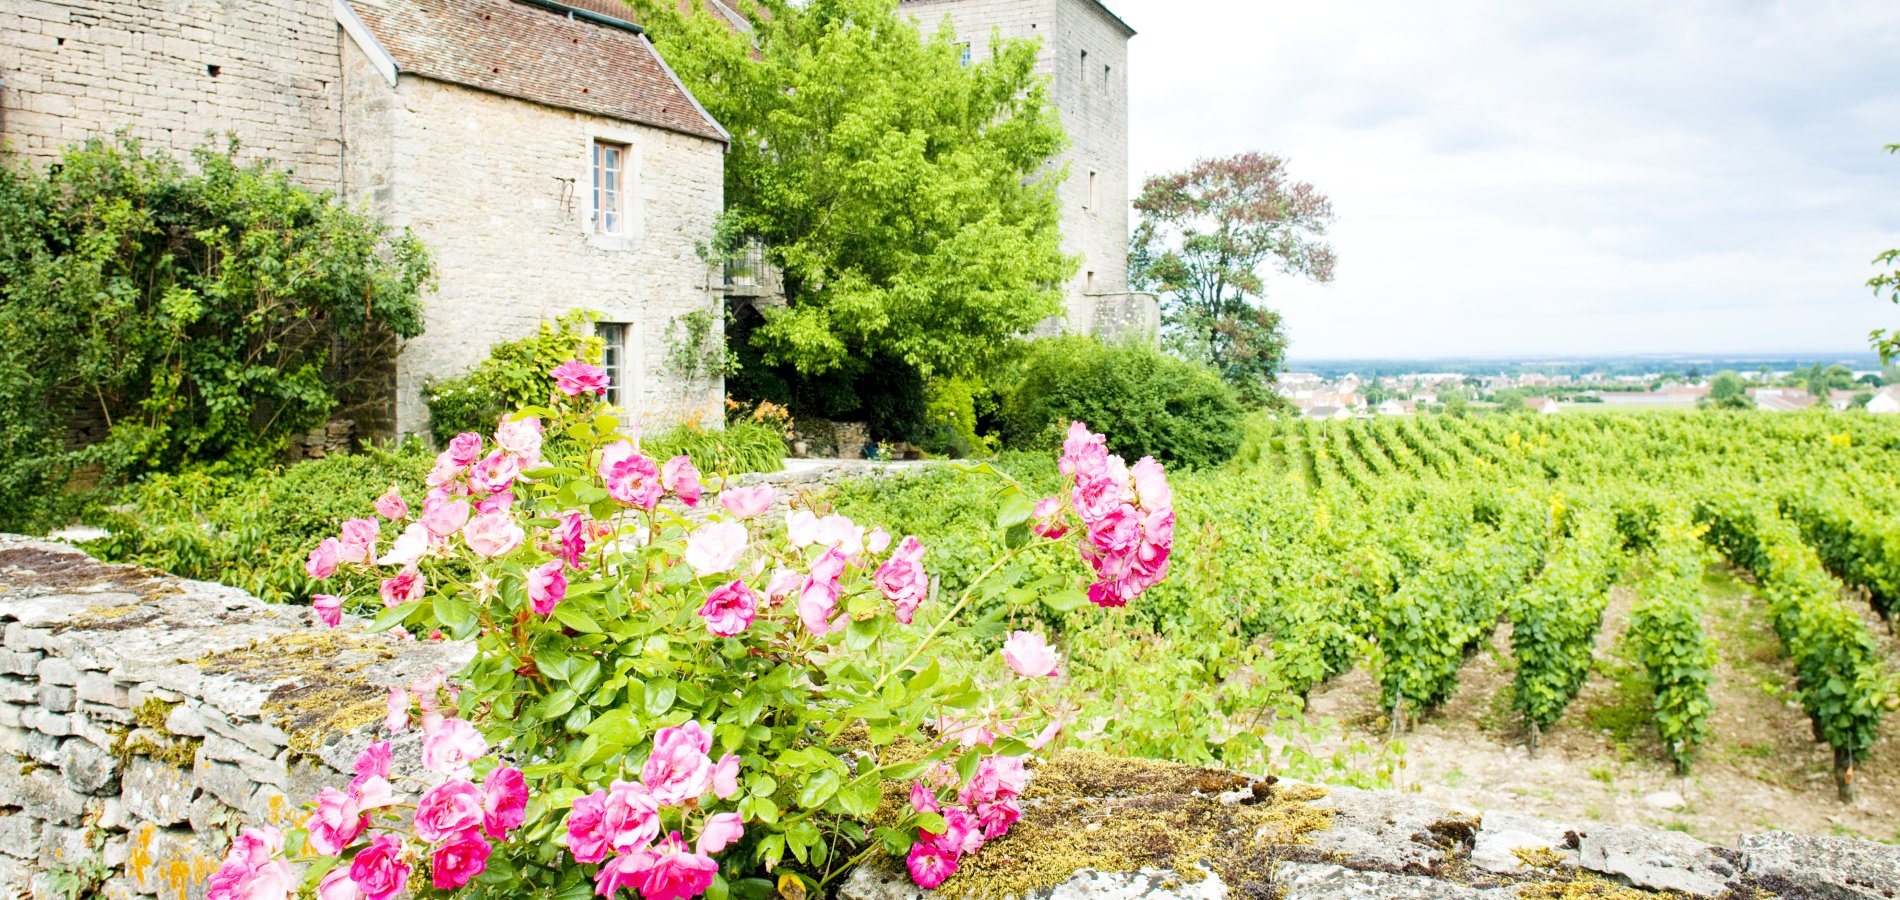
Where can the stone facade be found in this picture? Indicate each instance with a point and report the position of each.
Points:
(498, 188)
(170, 73)
(1084, 53)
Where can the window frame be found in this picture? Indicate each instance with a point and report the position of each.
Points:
(614, 222)
(613, 358)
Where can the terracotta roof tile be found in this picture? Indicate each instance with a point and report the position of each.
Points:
(526, 51)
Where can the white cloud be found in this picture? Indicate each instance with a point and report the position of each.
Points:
(1559, 177)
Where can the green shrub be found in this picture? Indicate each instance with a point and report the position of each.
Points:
(254, 531)
(744, 446)
(154, 315)
(1148, 403)
(514, 375)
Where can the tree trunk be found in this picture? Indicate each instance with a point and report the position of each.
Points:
(1532, 742)
(1844, 775)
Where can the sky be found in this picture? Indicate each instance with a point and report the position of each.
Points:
(1519, 178)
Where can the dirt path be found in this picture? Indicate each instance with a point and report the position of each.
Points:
(1760, 769)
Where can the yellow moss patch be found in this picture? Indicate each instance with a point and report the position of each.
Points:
(322, 695)
(1587, 887)
(1538, 857)
(1085, 810)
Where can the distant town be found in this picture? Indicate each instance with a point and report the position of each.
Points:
(1343, 389)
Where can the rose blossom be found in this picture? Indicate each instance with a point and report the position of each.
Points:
(930, 865)
(575, 378)
(496, 472)
(783, 583)
(398, 706)
(682, 479)
(725, 777)
(451, 747)
(495, 503)
(391, 506)
(678, 769)
(818, 598)
(493, 534)
(504, 802)
(408, 547)
(463, 449)
(249, 871)
(406, 586)
(902, 578)
(675, 874)
(1151, 484)
(729, 609)
(572, 533)
(336, 822)
(357, 543)
(547, 587)
(1029, 655)
(462, 858)
(631, 477)
(336, 885)
(997, 817)
(629, 817)
(923, 799)
(876, 540)
(720, 831)
(324, 558)
(374, 761)
(1044, 521)
(748, 502)
(521, 437)
(378, 869)
(715, 547)
(448, 809)
(444, 517)
(328, 607)
(584, 838)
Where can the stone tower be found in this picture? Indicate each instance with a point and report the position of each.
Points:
(1085, 55)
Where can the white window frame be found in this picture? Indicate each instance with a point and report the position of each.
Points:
(607, 179)
(613, 358)
(632, 214)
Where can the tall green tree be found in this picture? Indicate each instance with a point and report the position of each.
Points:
(1727, 390)
(1205, 237)
(907, 198)
(1887, 284)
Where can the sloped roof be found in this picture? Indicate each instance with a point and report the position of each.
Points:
(531, 52)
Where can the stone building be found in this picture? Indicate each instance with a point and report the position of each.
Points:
(544, 151)
(1084, 53)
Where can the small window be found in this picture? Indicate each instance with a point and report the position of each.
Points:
(1088, 282)
(1085, 66)
(963, 51)
(610, 187)
(613, 356)
(1107, 80)
(1090, 202)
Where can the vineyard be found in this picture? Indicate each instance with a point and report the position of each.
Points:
(1448, 528)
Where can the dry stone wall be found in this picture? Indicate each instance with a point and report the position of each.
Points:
(145, 719)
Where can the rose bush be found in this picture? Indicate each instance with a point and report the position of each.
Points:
(681, 698)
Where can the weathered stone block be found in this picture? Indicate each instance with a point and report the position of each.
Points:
(53, 723)
(1826, 869)
(185, 719)
(1661, 860)
(20, 835)
(169, 862)
(61, 846)
(1387, 831)
(57, 698)
(157, 792)
(88, 769)
(99, 712)
(18, 662)
(43, 794)
(1325, 881)
(97, 687)
(55, 670)
(14, 689)
(225, 781)
(10, 714)
(40, 748)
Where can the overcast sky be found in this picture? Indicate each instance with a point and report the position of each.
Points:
(1552, 177)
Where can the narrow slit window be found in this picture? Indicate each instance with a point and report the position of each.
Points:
(1089, 203)
(1085, 66)
(613, 357)
(610, 175)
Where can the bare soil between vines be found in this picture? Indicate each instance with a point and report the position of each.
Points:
(1760, 769)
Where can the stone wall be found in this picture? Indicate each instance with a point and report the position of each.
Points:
(499, 188)
(144, 719)
(171, 71)
(149, 718)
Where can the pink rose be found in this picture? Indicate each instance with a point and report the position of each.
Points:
(504, 802)
(521, 437)
(448, 809)
(930, 866)
(328, 607)
(391, 506)
(1045, 521)
(669, 872)
(902, 579)
(805, 529)
(725, 777)
(323, 559)
(378, 869)
(572, 534)
(547, 587)
(962, 832)
(678, 769)
(374, 761)
(496, 473)
(720, 831)
(493, 534)
(250, 871)
(584, 837)
(409, 546)
(398, 706)
(682, 479)
(997, 817)
(784, 582)
(1083, 453)
(623, 873)
(336, 822)
(463, 450)
(357, 542)
(876, 540)
(462, 858)
(406, 586)
(1117, 531)
(372, 792)
(1030, 655)
(818, 598)
(575, 378)
(631, 478)
(748, 502)
(495, 503)
(629, 817)
(923, 799)
(715, 547)
(444, 517)
(336, 885)
(729, 609)
(451, 747)
(1151, 485)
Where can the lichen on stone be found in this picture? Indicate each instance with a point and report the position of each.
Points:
(321, 692)
(1086, 810)
(1583, 887)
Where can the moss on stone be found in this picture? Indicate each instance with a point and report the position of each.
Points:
(1583, 887)
(1086, 810)
(153, 713)
(321, 693)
